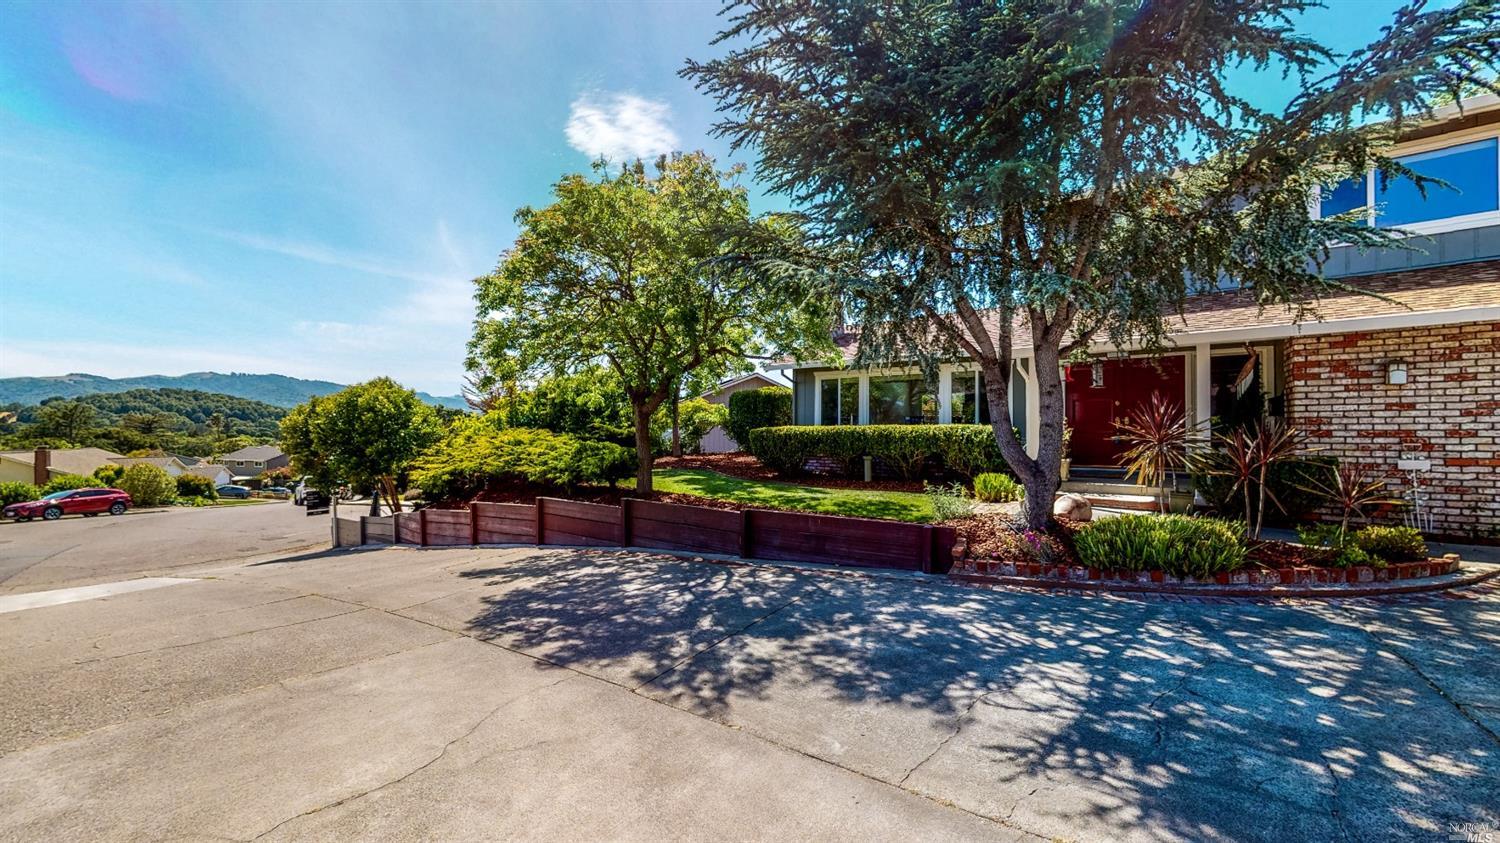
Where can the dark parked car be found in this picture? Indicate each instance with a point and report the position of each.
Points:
(276, 490)
(232, 491)
(86, 502)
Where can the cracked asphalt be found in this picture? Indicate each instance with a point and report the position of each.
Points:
(520, 693)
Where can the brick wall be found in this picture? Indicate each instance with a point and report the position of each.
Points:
(1448, 411)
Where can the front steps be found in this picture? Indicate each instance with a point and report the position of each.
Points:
(1121, 495)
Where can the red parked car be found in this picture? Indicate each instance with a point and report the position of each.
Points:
(87, 502)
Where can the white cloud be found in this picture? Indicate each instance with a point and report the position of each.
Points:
(620, 126)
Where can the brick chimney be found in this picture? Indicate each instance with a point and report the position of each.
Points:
(40, 464)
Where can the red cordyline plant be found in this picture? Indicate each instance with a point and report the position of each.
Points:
(1250, 455)
(1157, 434)
(1352, 487)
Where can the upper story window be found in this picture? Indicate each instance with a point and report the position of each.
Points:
(1472, 171)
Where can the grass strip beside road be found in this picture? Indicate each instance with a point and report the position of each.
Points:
(862, 503)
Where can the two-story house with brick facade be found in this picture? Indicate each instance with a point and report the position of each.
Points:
(1407, 379)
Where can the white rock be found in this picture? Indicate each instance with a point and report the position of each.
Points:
(1076, 507)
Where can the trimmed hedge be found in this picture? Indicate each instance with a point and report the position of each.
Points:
(964, 449)
(475, 453)
(1289, 481)
(769, 406)
(1174, 544)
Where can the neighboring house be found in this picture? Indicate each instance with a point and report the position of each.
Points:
(247, 463)
(187, 460)
(170, 465)
(216, 473)
(1411, 379)
(42, 464)
(717, 440)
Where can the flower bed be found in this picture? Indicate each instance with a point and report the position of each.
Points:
(998, 546)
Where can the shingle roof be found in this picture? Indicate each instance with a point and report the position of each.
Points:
(1426, 290)
(257, 453)
(79, 461)
(159, 462)
(209, 470)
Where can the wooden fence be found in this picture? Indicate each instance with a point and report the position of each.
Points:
(750, 533)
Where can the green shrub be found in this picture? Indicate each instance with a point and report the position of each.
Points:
(1288, 481)
(194, 486)
(475, 452)
(991, 487)
(1393, 544)
(108, 474)
(11, 492)
(949, 502)
(963, 449)
(1351, 555)
(148, 485)
(64, 482)
(769, 406)
(1175, 544)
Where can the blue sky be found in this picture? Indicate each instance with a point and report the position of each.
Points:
(308, 188)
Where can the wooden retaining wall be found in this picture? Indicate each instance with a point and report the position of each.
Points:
(751, 533)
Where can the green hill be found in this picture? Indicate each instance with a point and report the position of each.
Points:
(280, 390)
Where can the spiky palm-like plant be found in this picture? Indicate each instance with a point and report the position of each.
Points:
(1352, 487)
(1250, 455)
(1157, 434)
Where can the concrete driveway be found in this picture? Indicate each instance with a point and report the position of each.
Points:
(75, 550)
(541, 694)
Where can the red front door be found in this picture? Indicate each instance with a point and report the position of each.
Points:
(1095, 403)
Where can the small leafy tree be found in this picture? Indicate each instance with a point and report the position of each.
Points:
(655, 277)
(148, 485)
(1039, 176)
(366, 435)
(695, 418)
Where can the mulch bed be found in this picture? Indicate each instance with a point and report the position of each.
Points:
(746, 467)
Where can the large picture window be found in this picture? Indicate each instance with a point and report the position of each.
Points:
(1470, 168)
(969, 403)
(1471, 172)
(902, 400)
(839, 401)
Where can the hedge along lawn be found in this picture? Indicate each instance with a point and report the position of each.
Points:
(860, 503)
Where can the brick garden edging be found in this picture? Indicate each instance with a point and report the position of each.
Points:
(1361, 581)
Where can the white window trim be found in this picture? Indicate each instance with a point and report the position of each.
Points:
(944, 392)
(1437, 226)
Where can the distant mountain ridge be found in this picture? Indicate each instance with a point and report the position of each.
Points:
(281, 390)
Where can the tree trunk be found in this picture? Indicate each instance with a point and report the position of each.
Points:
(1046, 478)
(392, 494)
(676, 424)
(643, 447)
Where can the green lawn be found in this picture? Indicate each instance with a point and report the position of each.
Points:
(901, 506)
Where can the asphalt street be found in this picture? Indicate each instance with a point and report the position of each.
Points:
(465, 694)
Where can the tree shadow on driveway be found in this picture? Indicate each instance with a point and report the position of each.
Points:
(1082, 717)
